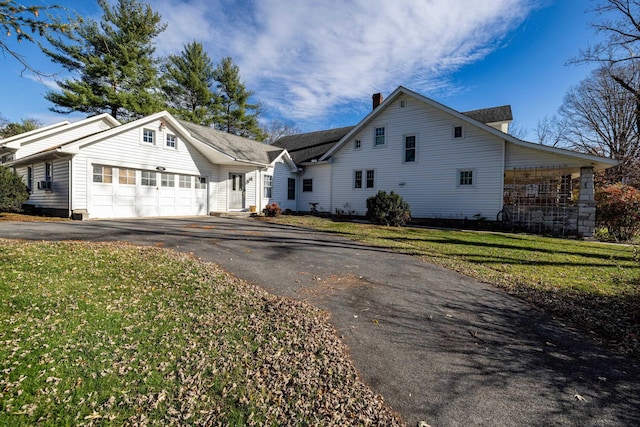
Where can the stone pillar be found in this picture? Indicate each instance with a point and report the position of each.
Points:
(586, 203)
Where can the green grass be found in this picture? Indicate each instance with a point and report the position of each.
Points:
(112, 334)
(595, 286)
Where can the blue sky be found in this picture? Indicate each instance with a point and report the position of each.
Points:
(316, 64)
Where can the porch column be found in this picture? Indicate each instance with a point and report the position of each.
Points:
(586, 203)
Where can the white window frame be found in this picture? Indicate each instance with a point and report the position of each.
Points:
(290, 190)
(415, 148)
(267, 181)
(200, 183)
(357, 144)
(102, 174)
(48, 171)
(30, 177)
(355, 179)
(127, 177)
(148, 179)
(460, 178)
(145, 138)
(182, 181)
(383, 136)
(167, 180)
(373, 179)
(174, 142)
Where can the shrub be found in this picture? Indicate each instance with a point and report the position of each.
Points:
(388, 209)
(272, 209)
(618, 210)
(13, 192)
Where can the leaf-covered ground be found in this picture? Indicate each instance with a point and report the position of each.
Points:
(112, 334)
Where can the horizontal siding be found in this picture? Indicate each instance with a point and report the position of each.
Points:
(61, 136)
(58, 197)
(221, 187)
(279, 191)
(429, 185)
(523, 157)
(321, 194)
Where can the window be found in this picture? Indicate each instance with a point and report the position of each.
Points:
(465, 178)
(184, 181)
(307, 185)
(200, 182)
(370, 178)
(357, 144)
(148, 136)
(291, 189)
(379, 137)
(268, 184)
(48, 171)
(409, 148)
(103, 174)
(167, 180)
(458, 132)
(171, 141)
(127, 177)
(403, 103)
(357, 179)
(30, 178)
(148, 178)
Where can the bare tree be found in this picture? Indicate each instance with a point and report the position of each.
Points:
(277, 129)
(599, 116)
(551, 131)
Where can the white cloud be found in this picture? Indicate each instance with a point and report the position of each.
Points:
(305, 58)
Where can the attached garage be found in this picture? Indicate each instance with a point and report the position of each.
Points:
(127, 193)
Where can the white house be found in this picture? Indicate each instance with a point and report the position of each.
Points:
(447, 165)
(154, 166)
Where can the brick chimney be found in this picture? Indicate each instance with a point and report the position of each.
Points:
(377, 99)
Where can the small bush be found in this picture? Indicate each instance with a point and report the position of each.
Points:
(13, 192)
(388, 209)
(618, 210)
(272, 210)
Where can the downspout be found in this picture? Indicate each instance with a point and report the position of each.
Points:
(504, 166)
(70, 187)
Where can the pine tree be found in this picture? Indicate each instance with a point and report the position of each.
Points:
(114, 61)
(188, 79)
(233, 113)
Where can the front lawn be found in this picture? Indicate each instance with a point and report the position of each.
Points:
(112, 334)
(594, 286)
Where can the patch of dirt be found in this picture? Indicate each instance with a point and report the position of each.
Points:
(322, 287)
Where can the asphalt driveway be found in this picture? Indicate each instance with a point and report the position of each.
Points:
(439, 346)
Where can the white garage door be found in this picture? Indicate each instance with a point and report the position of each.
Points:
(125, 193)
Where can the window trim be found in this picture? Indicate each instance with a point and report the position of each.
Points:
(102, 174)
(373, 179)
(267, 185)
(357, 144)
(48, 171)
(462, 131)
(120, 176)
(30, 177)
(164, 183)
(308, 189)
(415, 148)
(291, 190)
(357, 180)
(459, 178)
(151, 178)
(384, 136)
(175, 141)
(143, 138)
(200, 182)
(181, 181)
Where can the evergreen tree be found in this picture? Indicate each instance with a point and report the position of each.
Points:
(8, 128)
(114, 61)
(188, 79)
(233, 113)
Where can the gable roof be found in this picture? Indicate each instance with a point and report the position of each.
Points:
(30, 133)
(236, 147)
(491, 115)
(597, 161)
(305, 147)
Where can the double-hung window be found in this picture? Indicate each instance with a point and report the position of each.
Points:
(364, 178)
(370, 179)
(268, 184)
(30, 178)
(148, 136)
(466, 178)
(171, 141)
(409, 148)
(379, 136)
(307, 185)
(357, 179)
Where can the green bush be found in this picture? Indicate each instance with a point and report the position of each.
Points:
(13, 192)
(618, 210)
(388, 209)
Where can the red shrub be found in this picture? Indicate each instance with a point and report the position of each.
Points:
(618, 209)
(272, 209)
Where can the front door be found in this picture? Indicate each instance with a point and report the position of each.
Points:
(236, 190)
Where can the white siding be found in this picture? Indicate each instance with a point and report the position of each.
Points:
(429, 184)
(61, 136)
(279, 191)
(521, 157)
(320, 174)
(58, 197)
(221, 188)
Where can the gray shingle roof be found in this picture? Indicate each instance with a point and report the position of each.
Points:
(232, 145)
(491, 115)
(305, 147)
